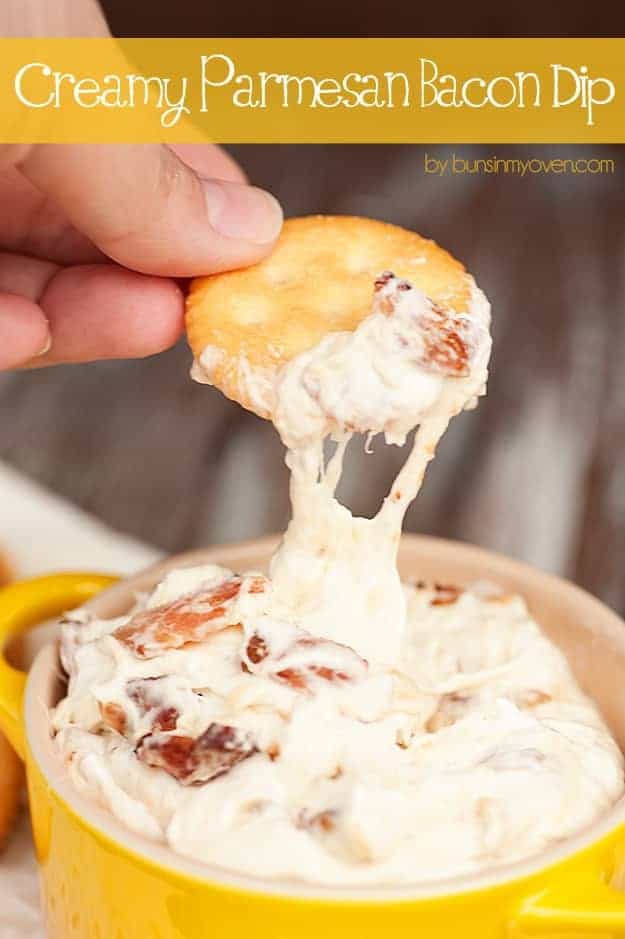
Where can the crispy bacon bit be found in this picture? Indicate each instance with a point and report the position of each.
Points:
(191, 618)
(166, 719)
(385, 278)
(307, 657)
(329, 674)
(445, 593)
(113, 716)
(145, 694)
(257, 649)
(447, 340)
(303, 660)
(293, 677)
(385, 298)
(273, 751)
(299, 678)
(324, 822)
(196, 760)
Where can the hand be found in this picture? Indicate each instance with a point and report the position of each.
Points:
(92, 235)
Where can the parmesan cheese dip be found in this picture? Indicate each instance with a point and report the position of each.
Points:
(326, 722)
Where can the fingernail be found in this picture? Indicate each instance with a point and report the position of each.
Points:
(46, 346)
(242, 212)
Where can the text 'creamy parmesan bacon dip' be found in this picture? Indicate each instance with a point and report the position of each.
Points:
(325, 721)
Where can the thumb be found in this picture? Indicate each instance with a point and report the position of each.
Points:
(149, 211)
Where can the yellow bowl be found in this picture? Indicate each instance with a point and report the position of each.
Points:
(101, 881)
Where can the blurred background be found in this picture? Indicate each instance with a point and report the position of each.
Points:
(538, 471)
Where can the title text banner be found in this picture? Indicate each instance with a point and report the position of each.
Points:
(313, 90)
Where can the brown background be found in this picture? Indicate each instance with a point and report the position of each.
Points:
(537, 471)
(362, 18)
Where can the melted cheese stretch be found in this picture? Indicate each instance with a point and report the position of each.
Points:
(461, 742)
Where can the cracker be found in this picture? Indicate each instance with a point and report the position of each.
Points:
(319, 279)
(11, 771)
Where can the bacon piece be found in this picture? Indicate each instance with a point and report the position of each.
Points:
(300, 678)
(166, 719)
(294, 677)
(191, 618)
(445, 594)
(114, 717)
(302, 660)
(384, 278)
(142, 692)
(196, 760)
(273, 751)
(324, 822)
(447, 341)
(256, 649)
(145, 694)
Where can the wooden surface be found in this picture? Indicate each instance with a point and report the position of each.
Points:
(538, 471)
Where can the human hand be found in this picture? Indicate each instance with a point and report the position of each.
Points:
(92, 235)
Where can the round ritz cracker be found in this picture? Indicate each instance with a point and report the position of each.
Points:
(11, 771)
(318, 279)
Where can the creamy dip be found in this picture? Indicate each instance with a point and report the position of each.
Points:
(325, 721)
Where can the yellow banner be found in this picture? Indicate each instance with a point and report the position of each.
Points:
(313, 90)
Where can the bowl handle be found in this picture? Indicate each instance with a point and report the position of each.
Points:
(581, 904)
(25, 604)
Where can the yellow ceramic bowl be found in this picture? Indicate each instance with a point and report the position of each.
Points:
(102, 882)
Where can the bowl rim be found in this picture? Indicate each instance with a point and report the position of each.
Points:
(106, 826)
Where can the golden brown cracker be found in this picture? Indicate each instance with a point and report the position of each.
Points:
(318, 279)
